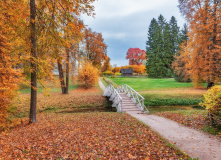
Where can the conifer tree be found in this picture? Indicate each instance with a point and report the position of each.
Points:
(162, 45)
(174, 31)
(152, 49)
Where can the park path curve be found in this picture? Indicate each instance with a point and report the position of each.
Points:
(193, 142)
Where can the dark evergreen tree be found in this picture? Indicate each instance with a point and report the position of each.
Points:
(153, 48)
(174, 31)
(159, 49)
(183, 35)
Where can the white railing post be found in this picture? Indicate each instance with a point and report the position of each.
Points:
(135, 97)
(111, 92)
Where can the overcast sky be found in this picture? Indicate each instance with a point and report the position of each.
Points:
(124, 23)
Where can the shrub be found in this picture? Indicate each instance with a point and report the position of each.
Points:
(212, 102)
(116, 69)
(89, 75)
(118, 74)
(108, 73)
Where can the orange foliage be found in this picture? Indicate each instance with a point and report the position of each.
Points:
(106, 66)
(88, 74)
(9, 79)
(202, 53)
(180, 64)
(96, 49)
(139, 69)
(116, 69)
(136, 68)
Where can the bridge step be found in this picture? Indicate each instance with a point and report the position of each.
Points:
(127, 105)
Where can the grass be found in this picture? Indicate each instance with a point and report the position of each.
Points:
(171, 99)
(78, 100)
(50, 85)
(144, 84)
(163, 94)
(174, 109)
(104, 82)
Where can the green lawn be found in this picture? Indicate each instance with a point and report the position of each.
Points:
(144, 84)
(163, 92)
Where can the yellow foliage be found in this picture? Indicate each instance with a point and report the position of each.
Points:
(212, 103)
(212, 100)
(88, 75)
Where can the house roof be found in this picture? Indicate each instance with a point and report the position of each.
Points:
(126, 71)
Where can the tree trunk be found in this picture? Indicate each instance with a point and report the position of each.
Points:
(61, 76)
(67, 71)
(33, 105)
(212, 119)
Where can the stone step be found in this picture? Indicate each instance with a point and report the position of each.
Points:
(128, 103)
(132, 109)
(129, 107)
(137, 111)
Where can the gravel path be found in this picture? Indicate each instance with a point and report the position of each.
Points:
(101, 85)
(192, 142)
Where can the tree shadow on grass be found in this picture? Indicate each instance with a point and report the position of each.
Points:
(85, 109)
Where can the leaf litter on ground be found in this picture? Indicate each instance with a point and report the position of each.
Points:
(97, 135)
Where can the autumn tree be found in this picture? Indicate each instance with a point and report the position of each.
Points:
(139, 69)
(203, 47)
(136, 56)
(10, 74)
(180, 73)
(106, 65)
(9, 78)
(41, 32)
(212, 102)
(95, 48)
(88, 74)
(116, 69)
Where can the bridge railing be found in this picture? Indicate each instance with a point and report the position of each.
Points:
(135, 97)
(111, 92)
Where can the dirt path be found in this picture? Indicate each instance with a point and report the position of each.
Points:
(101, 85)
(194, 143)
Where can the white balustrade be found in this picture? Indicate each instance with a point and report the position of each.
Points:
(135, 97)
(111, 92)
(115, 97)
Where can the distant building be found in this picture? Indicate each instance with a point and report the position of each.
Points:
(126, 72)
